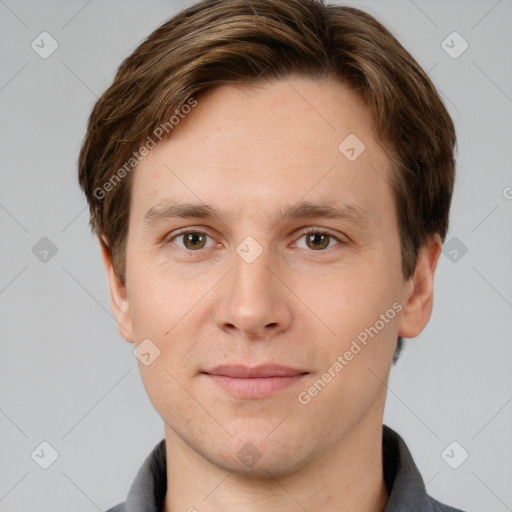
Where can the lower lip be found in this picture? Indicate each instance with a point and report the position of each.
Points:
(255, 387)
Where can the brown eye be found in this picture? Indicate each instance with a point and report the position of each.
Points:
(317, 240)
(194, 240)
(190, 240)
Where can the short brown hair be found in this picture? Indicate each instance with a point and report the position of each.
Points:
(214, 42)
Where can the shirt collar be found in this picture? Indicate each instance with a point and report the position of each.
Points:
(403, 480)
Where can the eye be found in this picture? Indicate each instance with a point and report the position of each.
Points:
(318, 240)
(192, 240)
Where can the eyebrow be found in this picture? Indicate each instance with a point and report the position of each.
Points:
(167, 210)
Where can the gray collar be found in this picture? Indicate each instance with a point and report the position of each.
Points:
(404, 483)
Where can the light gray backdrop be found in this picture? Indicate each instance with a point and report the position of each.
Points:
(68, 379)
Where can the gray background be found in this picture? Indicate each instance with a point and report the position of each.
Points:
(69, 379)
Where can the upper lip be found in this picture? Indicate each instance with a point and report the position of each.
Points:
(264, 370)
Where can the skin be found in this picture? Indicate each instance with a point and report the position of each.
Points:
(250, 153)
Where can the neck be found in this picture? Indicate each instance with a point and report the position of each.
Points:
(349, 477)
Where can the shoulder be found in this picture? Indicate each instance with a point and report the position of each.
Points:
(441, 507)
(403, 480)
(120, 507)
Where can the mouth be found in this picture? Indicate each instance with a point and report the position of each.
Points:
(256, 382)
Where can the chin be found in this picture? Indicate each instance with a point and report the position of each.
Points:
(259, 456)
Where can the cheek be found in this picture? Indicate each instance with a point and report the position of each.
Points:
(356, 296)
(156, 297)
(363, 309)
(166, 308)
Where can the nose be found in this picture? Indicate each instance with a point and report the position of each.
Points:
(253, 301)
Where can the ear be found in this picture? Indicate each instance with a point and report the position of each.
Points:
(118, 298)
(418, 308)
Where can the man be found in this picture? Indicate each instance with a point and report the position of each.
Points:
(270, 182)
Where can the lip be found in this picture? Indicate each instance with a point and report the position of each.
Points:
(263, 370)
(256, 382)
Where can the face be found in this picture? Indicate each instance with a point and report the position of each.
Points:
(263, 263)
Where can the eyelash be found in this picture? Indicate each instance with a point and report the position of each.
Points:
(187, 231)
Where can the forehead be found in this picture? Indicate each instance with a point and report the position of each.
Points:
(265, 145)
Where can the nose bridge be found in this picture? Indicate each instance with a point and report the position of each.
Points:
(252, 280)
(251, 301)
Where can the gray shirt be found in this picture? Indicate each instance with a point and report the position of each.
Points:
(403, 481)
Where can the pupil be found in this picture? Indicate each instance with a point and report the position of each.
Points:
(317, 242)
(194, 238)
